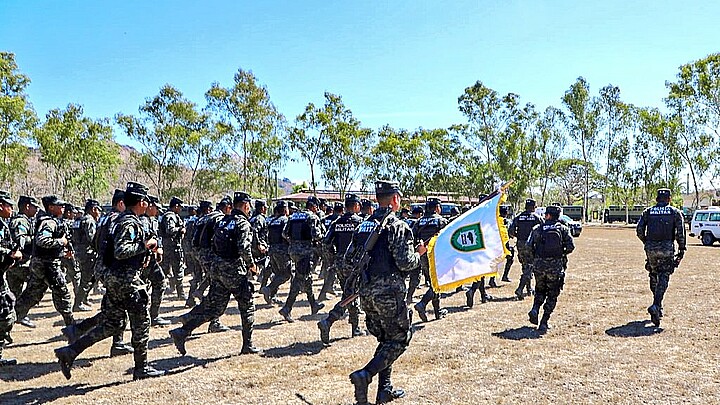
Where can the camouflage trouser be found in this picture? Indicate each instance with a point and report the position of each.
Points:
(17, 277)
(281, 268)
(302, 281)
(155, 277)
(46, 273)
(72, 272)
(329, 271)
(224, 283)
(425, 268)
(87, 277)
(7, 316)
(126, 297)
(660, 265)
(525, 256)
(413, 283)
(549, 281)
(430, 295)
(387, 318)
(196, 270)
(353, 308)
(173, 264)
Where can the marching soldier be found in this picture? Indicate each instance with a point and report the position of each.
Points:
(172, 230)
(85, 252)
(520, 229)
(280, 262)
(329, 269)
(22, 229)
(10, 253)
(425, 228)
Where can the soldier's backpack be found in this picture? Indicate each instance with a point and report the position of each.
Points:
(162, 231)
(225, 239)
(550, 244)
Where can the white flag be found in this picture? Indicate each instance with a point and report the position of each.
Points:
(469, 248)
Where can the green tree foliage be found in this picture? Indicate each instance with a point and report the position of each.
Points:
(253, 130)
(615, 118)
(81, 152)
(17, 119)
(552, 143)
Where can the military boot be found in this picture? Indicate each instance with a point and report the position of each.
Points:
(440, 313)
(120, 349)
(179, 336)
(324, 327)
(216, 326)
(506, 273)
(356, 330)
(285, 313)
(266, 295)
(180, 291)
(159, 321)
(655, 315)
(5, 361)
(492, 283)
(485, 297)
(420, 307)
(470, 297)
(26, 322)
(361, 379)
(66, 356)
(143, 370)
(315, 307)
(71, 333)
(533, 315)
(386, 393)
(543, 327)
(247, 347)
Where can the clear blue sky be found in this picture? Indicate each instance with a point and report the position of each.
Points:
(403, 63)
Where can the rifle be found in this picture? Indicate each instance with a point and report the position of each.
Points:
(362, 259)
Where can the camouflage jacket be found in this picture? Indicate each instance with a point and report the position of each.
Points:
(85, 234)
(172, 226)
(23, 233)
(660, 226)
(129, 251)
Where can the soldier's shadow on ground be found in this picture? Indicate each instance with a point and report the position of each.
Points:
(53, 339)
(521, 333)
(47, 394)
(294, 350)
(180, 364)
(634, 329)
(30, 371)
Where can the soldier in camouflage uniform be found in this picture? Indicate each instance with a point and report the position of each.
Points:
(382, 292)
(172, 229)
(303, 230)
(68, 262)
(51, 244)
(84, 233)
(659, 228)
(366, 208)
(329, 268)
(191, 261)
(126, 294)
(550, 244)
(22, 229)
(152, 273)
(509, 259)
(232, 246)
(258, 222)
(9, 255)
(199, 282)
(337, 240)
(520, 228)
(280, 263)
(425, 228)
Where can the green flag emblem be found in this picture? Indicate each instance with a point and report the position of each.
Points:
(468, 238)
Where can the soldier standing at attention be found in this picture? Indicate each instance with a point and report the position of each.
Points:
(22, 229)
(303, 230)
(337, 240)
(85, 253)
(9, 255)
(425, 228)
(232, 245)
(520, 228)
(550, 243)
(280, 263)
(382, 292)
(51, 244)
(659, 228)
(172, 230)
(126, 294)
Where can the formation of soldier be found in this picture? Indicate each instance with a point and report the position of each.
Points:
(139, 256)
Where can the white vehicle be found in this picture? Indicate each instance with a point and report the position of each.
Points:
(705, 225)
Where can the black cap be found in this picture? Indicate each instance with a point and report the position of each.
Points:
(6, 198)
(259, 204)
(281, 204)
(312, 200)
(24, 199)
(387, 187)
(530, 203)
(90, 204)
(365, 203)
(205, 204)
(49, 200)
(417, 209)
(291, 204)
(663, 194)
(553, 210)
(69, 206)
(225, 201)
(339, 205)
(404, 211)
(241, 196)
(153, 200)
(118, 195)
(503, 210)
(175, 201)
(137, 190)
(352, 198)
(431, 203)
(323, 201)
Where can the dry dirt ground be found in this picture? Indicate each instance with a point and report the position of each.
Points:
(602, 348)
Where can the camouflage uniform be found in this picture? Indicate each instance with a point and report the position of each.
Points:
(46, 270)
(520, 228)
(327, 255)
(23, 233)
(550, 242)
(7, 298)
(425, 228)
(126, 297)
(232, 244)
(69, 264)
(259, 225)
(280, 263)
(152, 273)
(202, 246)
(303, 230)
(173, 263)
(337, 240)
(86, 257)
(659, 227)
(382, 296)
(191, 260)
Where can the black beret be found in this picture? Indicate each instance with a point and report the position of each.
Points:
(175, 201)
(6, 198)
(24, 199)
(313, 201)
(386, 187)
(241, 196)
(49, 200)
